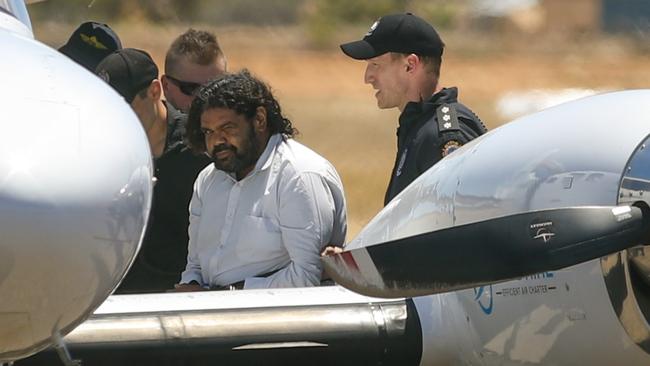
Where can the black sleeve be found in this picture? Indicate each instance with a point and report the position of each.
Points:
(471, 128)
(432, 147)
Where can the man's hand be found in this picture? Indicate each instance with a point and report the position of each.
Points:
(188, 287)
(331, 250)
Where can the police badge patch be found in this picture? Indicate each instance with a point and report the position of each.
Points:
(449, 147)
(372, 28)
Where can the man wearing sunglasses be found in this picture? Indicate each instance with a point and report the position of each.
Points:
(193, 59)
(162, 257)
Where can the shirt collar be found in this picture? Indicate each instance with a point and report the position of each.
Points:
(410, 112)
(413, 110)
(446, 95)
(266, 158)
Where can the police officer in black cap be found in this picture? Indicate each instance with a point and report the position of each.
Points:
(404, 54)
(90, 43)
(162, 257)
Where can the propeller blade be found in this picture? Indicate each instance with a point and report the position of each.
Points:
(489, 251)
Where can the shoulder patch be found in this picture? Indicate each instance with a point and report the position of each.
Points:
(449, 147)
(447, 118)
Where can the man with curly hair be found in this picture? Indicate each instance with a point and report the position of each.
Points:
(193, 59)
(267, 205)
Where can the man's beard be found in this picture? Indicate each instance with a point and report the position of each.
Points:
(242, 158)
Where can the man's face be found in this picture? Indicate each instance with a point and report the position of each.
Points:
(388, 76)
(230, 140)
(186, 78)
(141, 107)
(144, 104)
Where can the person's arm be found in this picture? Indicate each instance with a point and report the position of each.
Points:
(192, 271)
(306, 214)
(432, 147)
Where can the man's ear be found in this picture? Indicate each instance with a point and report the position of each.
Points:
(155, 90)
(412, 61)
(260, 119)
(165, 83)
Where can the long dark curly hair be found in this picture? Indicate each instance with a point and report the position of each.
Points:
(242, 93)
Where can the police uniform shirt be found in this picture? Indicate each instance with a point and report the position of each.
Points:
(427, 132)
(163, 254)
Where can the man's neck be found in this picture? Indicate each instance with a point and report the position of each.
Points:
(424, 92)
(428, 89)
(157, 130)
(244, 172)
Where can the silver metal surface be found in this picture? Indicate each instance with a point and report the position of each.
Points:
(16, 20)
(501, 249)
(237, 328)
(356, 329)
(75, 192)
(627, 274)
(18, 9)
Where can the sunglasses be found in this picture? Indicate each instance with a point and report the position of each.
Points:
(186, 87)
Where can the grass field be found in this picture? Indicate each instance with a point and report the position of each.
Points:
(322, 91)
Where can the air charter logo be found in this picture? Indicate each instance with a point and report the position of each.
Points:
(542, 230)
(483, 296)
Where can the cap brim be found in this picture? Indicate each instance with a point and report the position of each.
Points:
(360, 50)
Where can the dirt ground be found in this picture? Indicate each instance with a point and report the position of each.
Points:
(322, 91)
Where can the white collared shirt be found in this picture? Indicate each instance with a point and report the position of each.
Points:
(278, 218)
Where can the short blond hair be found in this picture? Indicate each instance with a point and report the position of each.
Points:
(199, 47)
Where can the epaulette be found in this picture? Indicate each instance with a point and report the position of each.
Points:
(447, 118)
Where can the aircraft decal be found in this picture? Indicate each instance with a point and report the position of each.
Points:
(349, 260)
(543, 230)
(530, 289)
(483, 297)
(537, 276)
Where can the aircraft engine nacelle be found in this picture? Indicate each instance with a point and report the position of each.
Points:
(546, 191)
(75, 192)
(627, 273)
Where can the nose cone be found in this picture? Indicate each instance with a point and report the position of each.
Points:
(75, 192)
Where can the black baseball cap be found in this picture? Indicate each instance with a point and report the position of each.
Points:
(402, 33)
(90, 43)
(128, 71)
